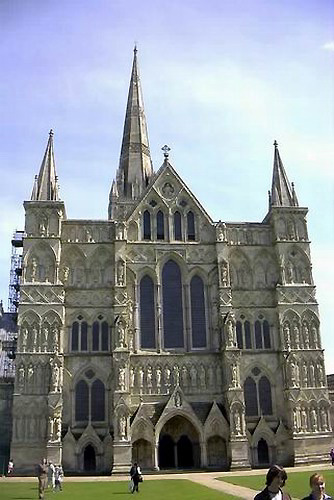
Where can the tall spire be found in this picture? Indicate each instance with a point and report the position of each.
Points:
(135, 161)
(46, 183)
(282, 194)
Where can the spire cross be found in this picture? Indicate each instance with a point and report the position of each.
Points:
(51, 133)
(166, 150)
(275, 144)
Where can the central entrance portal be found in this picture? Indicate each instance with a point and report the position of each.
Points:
(179, 445)
(89, 459)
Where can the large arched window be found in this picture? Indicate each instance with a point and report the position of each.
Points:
(97, 401)
(243, 330)
(265, 396)
(79, 335)
(100, 335)
(147, 313)
(177, 226)
(147, 225)
(262, 334)
(190, 226)
(250, 394)
(160, 226)
(81, 401)
(198, 322)
(172, 305)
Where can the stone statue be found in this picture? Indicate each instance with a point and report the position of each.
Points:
(158, 378)
(315, 337)
(30, 376)
(167, 377)
(24, 338)
(193, 376)
(287, 338)
(20, 378)
(224, 274)
(176, 375)
(314, 420)
(45, 337)
(132, 377)
(292, 373)
(230, 333)
(291, 230)
(295, 420)
(323, 419)
(55, 338)
(120, 272)
(234, 375)
(306, 336)
(34, 266)
(122, 378)
(312, 374)
(66, 274)
(184, 376)
(304, 375)
(320, 373)
(55, 378)
(303, 419)
(58, 428)
(141, 378)
(202, 377)
(122, 427)
(296, 335)
(51, 428)
(236, 422)
(177, 400)
(221, 231)
(149, 377)
(120, 334)
(34, 338)
(290, 272)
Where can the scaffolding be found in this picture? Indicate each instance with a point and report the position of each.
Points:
(15, 271)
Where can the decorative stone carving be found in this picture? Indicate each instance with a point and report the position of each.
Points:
(122, 426)
(158, 378)
(122, 378)
(21, 378)
(324, 419)
(120, 333)
(320, 374)
(235, 378)
(202, 377)
(176, 375)
(177, 400)
(149, 379)
(230, 331)
(132, 377)
(304, 375)
(224, 274)
(141, 375)
(193, 377)
(306, 336)
(314, 420)
(120, 272)
(315, 336)
(296, 335)
(303, 419)
(287, 337)
(167, 378)
(236, 422)
(55, 337)
(221, 232)
(312, 374)
(24, 337)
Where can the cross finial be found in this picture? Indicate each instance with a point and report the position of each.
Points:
(135, 50)
(275, 144)
(166, 150)
(51, 133)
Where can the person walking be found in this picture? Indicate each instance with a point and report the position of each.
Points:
(10, 467)
(59, 475)
(331, 454)
(136, 477)
(275, 480)
(42, 474)
(317, 484)
(51, 476)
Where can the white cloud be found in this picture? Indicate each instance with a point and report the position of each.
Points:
(328, 46)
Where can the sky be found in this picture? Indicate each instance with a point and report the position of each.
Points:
(222, 79)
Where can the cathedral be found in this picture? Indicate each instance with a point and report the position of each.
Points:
(161, 336)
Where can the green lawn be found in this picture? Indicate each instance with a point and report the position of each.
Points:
(164, 489)
(297, 484)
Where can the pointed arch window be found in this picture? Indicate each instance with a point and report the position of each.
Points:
(79, 335)
(265, 396)
(100, 335)
(147, 313)
(160, 225)
(190, 226)
(177, 226)
(198, 320)
(240, 342)
(243, 330)
(172, 305)
(262, 334)
(97, 401)
(81, 401)
(147, 225)
(257, 393)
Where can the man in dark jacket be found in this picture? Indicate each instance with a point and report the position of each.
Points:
(317, 484)
(42, 473)
(135, 477)
(275, 480)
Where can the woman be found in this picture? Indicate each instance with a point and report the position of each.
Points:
(317, 484)
(275, 480)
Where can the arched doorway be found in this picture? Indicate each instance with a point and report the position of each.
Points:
(89, 459)
(179, 444)
(262, 452)
(185, 455)
(166, 452)
(217, 454)
(142, 453)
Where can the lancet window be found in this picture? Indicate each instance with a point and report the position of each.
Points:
(253, 336)
(190, 226)
(172, 305)
(79, 339)
(198, 320)
(100, 335)
(177, 226)
(257, 393)
(90, 399)
(147, 313)
(160, 225)
(147, 225)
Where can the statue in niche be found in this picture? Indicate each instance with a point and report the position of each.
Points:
(237, 422)
(66, 275)
(323, 419)
(230, 331)
(303, 419)
(132, 377)
(304, 375)
(55, 378)
(296, 335)
(295, 420)
(141, 378)
(122, 427)
(176, 375)
(291, 230)
(292, 373)
(202, 377)
(306, 335)
(149, 377)
(314, 420)
(218, 376)
(51, 429)
(120, 330)
(177, 400)
(20, 378)
(122, 378)
(315, 337)
(130, 339)
(120, 272)
(282, 269)
(120, 231)
(34, 266)
(235, 375)
(211, 377)
(167, 377)
(42, 228)
(24, 338)
(312, 374)
(58, 428)
(34, 338)
(158, 378)
(224, 273)
(30, 374)
(287, 337)
(55, 338)
(320, 373)
(45, 337)
(184, 376)
(221, 231)
(193, 376)
(290, 272)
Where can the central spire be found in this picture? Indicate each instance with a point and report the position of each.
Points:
(135, 161)
(282, 194)
(46, 182)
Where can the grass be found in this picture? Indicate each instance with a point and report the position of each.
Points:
(164, 489)
(297, 484)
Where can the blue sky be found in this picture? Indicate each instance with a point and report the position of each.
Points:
(221, 81)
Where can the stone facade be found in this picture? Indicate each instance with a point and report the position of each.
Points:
(161, 336)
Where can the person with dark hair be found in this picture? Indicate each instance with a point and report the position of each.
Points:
(275, 480)
(42, 474)
(136, 478)
(317, 484)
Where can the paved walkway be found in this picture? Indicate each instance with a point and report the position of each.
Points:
(204, 478)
